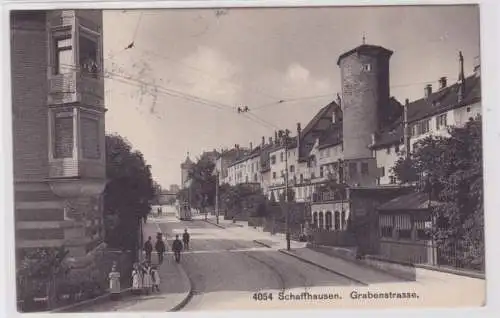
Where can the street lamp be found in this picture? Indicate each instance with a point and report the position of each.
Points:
(284, 135)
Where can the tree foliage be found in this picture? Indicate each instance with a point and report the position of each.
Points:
(203, 183)
(449, 170)
(129, 192)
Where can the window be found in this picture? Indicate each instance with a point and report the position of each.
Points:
(88, 56)
(388, 150)
(468, 109)
(246, 179)
(301, 178)
(255, 177)
(321, 172)
(441, 121)
(367, 68)
(392, 180)
(281, 157)
(274, 175)
(292, 168)
(63, 135)
(90, 138)
(63, 56)
(313, 175)
(422, 230)
(364, 168)
(353, 167)
(396, 148)
(273, 159)
(300, 192)
(403, 226)
(382, 171)
(386, 225)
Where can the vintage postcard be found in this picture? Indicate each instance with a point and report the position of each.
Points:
(247, 158)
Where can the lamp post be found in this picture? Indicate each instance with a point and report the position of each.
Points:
(284, 135)
(217, 197)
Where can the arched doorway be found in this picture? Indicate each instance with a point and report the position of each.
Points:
(315, 220)
(338, 224)
(328, 220)
(321, 220)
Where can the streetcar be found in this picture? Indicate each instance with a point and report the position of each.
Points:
(184, 212)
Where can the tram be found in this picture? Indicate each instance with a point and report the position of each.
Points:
(184, 212)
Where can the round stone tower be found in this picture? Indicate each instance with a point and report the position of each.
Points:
(365, 96)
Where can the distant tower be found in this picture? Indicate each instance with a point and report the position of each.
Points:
(365, 96)
(185, 168)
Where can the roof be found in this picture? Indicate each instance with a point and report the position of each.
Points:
(412, 201)
(367, 49)
(325, 112)
(331, 137)
(438, 102)
(188, 161)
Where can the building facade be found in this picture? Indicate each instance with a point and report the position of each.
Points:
(355, 140)
(58, 129)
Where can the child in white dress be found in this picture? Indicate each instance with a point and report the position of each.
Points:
(136, 279)
(155, 275)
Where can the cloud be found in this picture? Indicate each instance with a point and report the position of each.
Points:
(208, 74)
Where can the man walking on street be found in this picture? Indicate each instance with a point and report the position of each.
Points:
(185, 239)
(177, 248)
(160, 248)
(148, 248)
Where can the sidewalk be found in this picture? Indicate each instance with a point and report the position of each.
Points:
(175, 288)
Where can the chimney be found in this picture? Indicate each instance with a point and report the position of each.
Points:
(275, 136)
(373, 139)
(428, 90)
(442, 82)
(299, 132)
(263, 141)
(406, 129)
(461, 77)
(477, 66)
(251, 146)
(339, 100)
(270, 140)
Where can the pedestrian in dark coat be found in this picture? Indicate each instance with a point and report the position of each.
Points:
(148, 248)
(177, 248)
(185, 239)
(160, 249)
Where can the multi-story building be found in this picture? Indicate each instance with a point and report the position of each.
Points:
(430, 115)
(58, 129)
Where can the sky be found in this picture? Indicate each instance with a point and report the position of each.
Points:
(177, 89)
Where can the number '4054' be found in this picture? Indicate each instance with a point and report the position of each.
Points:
(262, 296)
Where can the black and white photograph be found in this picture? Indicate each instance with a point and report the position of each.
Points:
(257, 158)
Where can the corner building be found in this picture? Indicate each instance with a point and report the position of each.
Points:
(58, 129)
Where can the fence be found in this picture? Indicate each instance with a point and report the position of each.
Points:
(331, 238)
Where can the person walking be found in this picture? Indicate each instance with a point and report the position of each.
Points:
(148, 248)
(114, 283)
(155, 275)
(160, 248)
(185, 239)
(147, 280)
(136, 280)
(177, 248)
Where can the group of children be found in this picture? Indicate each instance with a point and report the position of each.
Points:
(145, 278)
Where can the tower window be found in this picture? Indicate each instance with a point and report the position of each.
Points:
(88, 56)
(63, 135)
(367, 67)
(63, 55)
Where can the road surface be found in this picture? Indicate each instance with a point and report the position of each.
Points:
(227, 269)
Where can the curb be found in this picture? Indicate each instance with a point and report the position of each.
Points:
(189, 295)
(89, 301)
(322, 267)
(215, 224)
(261, 243)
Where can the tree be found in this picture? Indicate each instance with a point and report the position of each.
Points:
(128, 194)
(203, 183)
(449, 170)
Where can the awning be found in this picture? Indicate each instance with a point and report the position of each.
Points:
(412, 201)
